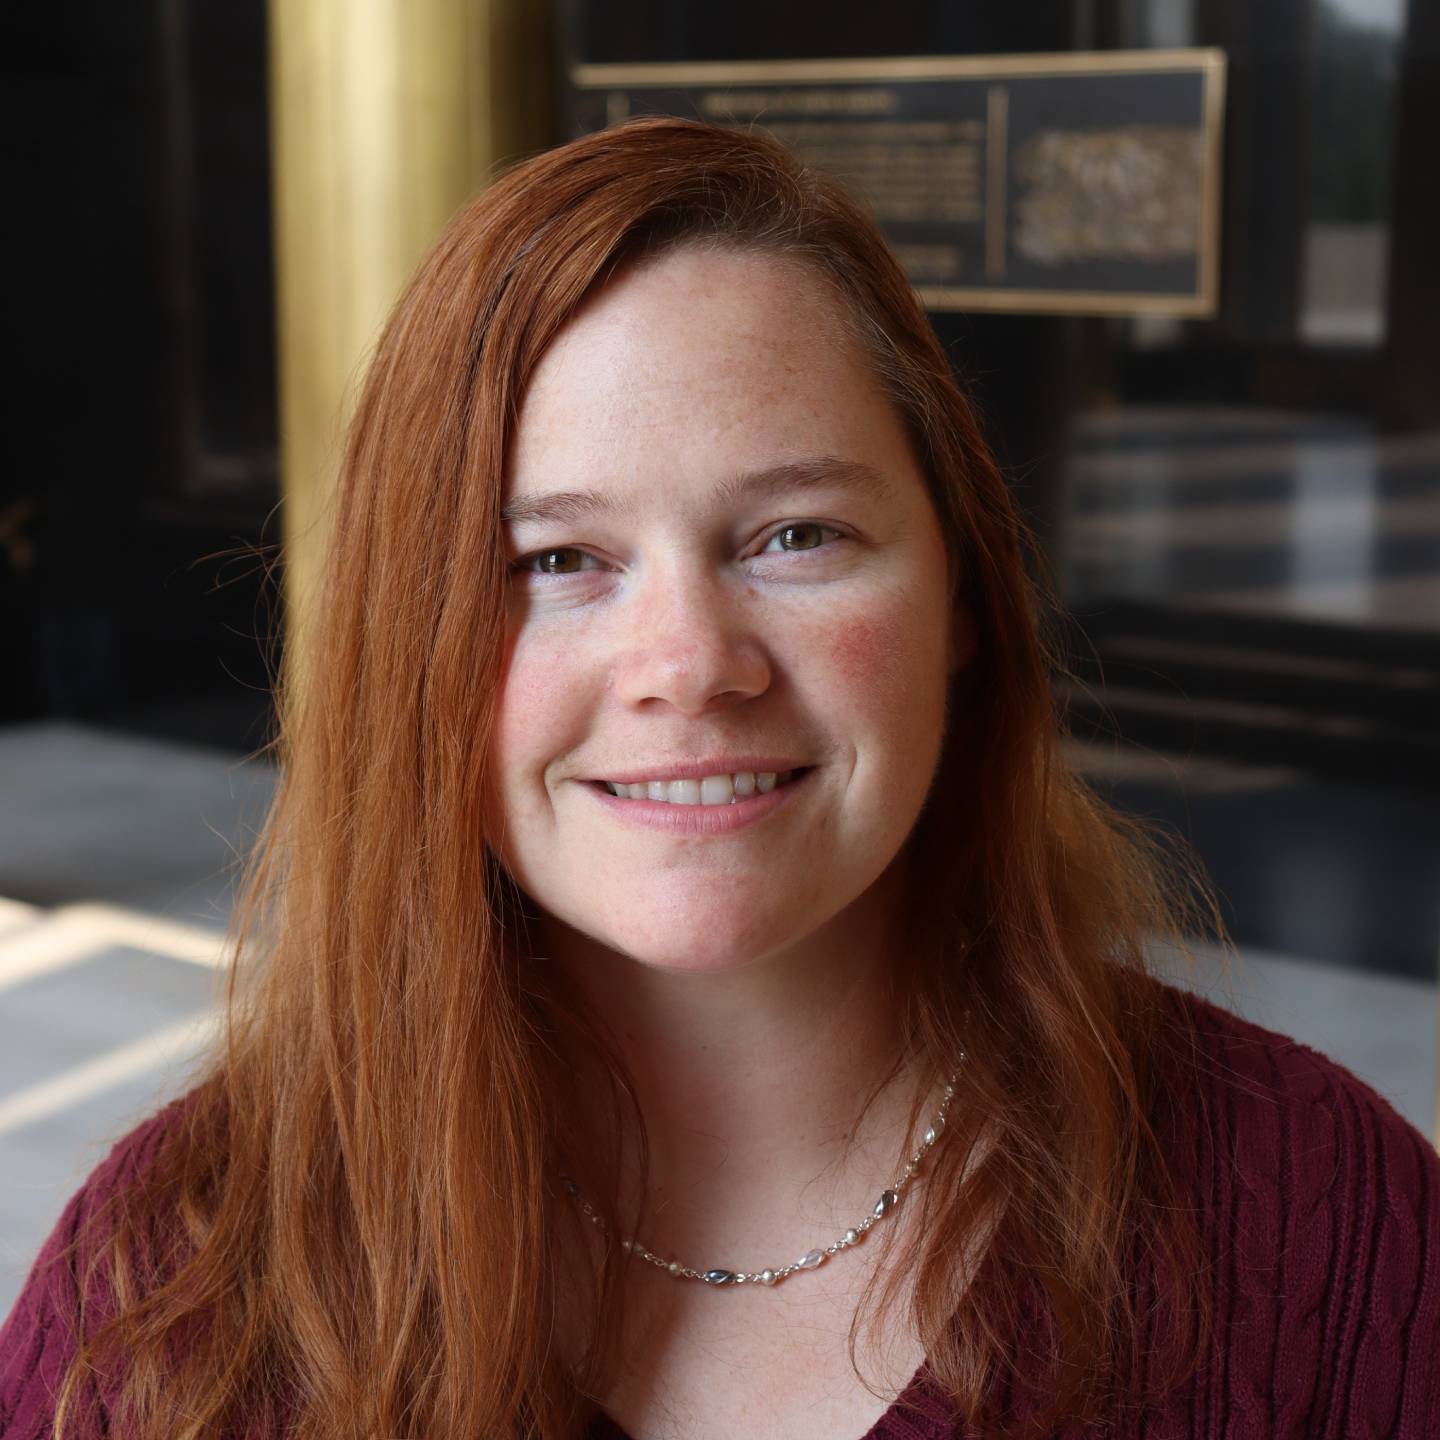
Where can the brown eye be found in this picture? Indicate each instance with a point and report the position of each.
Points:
(562, 561)
(802, 535)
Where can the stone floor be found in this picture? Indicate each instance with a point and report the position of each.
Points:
(116, 859)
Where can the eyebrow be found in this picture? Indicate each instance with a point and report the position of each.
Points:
(816, 473)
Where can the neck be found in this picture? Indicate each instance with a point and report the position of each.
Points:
(751, 1078)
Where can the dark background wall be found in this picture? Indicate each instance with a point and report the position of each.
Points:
(139, 426)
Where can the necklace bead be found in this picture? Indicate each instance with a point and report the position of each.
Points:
(812, 1259)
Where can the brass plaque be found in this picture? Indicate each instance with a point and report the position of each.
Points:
(1068, 184)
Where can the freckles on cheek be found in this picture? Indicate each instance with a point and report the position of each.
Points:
(879, 667)
(530, 694)
(867, 650)
(526, 683)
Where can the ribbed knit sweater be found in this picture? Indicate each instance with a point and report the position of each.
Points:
(1319, 1207)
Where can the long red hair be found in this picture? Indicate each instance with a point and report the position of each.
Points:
(358, 1202)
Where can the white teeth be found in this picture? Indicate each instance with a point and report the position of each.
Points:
(712, 790)
(717, 790)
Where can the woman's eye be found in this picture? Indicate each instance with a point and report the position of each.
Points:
(568, 560)
(802, 535)
(563, 560)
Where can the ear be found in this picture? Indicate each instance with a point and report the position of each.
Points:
(964, 639)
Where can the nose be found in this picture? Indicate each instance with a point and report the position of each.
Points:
(690, 643)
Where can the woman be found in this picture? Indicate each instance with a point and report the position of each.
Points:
(697, 999)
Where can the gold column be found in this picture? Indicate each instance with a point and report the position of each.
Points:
(386, 115)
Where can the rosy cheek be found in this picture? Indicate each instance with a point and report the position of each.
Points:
(886, 674)
(869, 649)
(857, 650)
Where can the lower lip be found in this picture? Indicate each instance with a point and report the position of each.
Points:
(698, 819)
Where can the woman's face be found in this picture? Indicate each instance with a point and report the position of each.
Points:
(725, 565)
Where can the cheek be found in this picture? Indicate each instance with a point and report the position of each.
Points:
(864, 649)
(538, 704)
(888, 663)
(525, 684)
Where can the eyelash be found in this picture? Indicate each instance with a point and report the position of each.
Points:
(522, 565)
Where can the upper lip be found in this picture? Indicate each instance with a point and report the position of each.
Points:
(699, 769)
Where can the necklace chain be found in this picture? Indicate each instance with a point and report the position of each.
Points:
(812, 1259)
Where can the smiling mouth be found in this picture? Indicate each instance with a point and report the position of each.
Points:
(711, 790)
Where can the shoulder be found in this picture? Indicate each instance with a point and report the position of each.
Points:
(65, 1287)
(1258, 1087)
(1321, 1208)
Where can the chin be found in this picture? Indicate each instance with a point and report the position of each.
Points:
(696, 949)
(694, 938)
(712, 959)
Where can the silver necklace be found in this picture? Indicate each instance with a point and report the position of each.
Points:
(811, 1259)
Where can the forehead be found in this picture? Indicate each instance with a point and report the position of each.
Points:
(701, 360)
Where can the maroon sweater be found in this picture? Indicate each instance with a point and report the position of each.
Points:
(1320, 1209)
